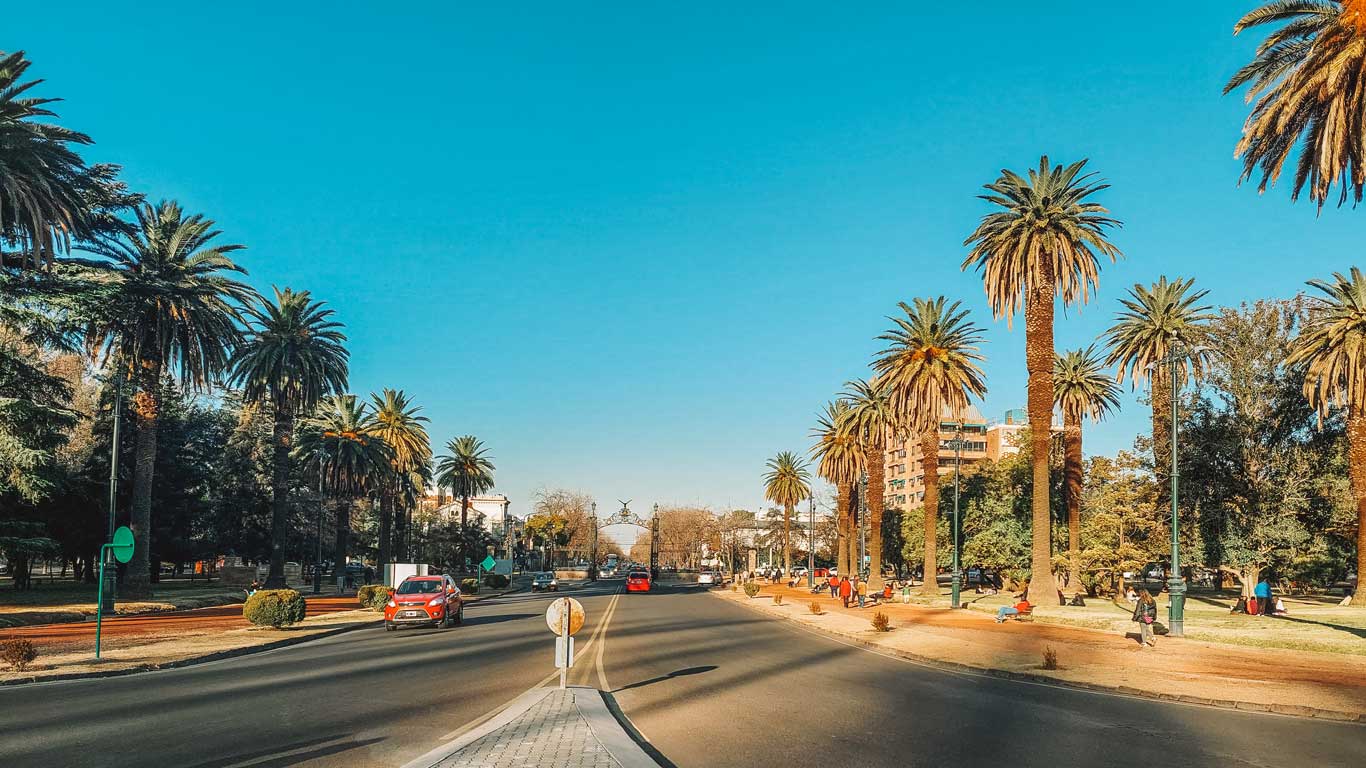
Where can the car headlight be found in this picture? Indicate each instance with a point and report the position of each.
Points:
(438, 600)
(553, 582)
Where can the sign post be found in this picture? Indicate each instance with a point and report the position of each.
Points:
(564, 617)
(122, 549)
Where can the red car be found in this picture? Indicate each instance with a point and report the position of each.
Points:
(638, 581)
(424, 600)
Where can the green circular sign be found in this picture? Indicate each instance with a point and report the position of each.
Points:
(122, 545)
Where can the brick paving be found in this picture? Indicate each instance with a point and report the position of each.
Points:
(551, 734)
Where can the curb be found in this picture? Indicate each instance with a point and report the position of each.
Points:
(1286, 710)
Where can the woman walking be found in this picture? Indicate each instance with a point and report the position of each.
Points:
(1145, 613)
(845, 590)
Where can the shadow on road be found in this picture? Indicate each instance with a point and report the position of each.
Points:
(289, 754)
(670, 676)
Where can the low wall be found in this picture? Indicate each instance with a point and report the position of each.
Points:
(571, 574)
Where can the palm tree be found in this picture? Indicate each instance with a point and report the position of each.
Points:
(786, 483)
(1045, 242)
(468, 471)
(291, 358)
(1082, 390)
(840, 461)
(1305, 83)
(1331, 350)
(41, 176)
(340, 448)
(173, 306)
(931, 370)
(1155, 322)
(397, 422)
(871, 421)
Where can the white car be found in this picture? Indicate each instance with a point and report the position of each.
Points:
(709, 578)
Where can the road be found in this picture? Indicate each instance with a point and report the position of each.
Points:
(707, 682)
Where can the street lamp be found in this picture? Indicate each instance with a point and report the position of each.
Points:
(593, 551)
(107, 567)
(1176, 586)
(957, 474)
(862, 522)
(811, 545)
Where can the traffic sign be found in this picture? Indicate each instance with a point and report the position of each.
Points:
(555, 616)
(122, 545)
(488, 563)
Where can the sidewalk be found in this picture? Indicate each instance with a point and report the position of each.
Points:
(544, 728)
(1290, 682)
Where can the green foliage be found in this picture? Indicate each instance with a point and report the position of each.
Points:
(497, 580)
(1122, 528)
(469, 586)
(373, 596)
(751, 589)
(274, 608)
(18, 653)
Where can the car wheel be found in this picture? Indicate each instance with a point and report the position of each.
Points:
(460, 615)
(388, 627)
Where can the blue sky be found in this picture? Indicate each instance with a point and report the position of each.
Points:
(634, 247)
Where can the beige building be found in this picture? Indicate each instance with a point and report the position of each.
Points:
(982, 441)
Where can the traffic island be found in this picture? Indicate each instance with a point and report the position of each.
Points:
(1304, 683)
(545, 728)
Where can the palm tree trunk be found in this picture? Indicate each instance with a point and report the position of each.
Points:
(877, 490)
(1161, 397)
(386, 530)
(1071, 471)
(147, 413)
(843, 499)
(851, 558)
(1039, 357)
(283, 439)
(787, 539)
(343, 534)
(1356, 452)
(929, 467)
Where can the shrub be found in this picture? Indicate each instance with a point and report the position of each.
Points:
(777, 599)
(496, 580)
(881, 623)
(18, 653)
(815, 608)
(469, 586)
(1050, 657)
(373, 596)
(751, 588)
(274, 608)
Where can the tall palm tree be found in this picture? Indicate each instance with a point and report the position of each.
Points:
(1331, 350)
(41, 176)
(174, 306)
(1045, 242)
(397, 422)
(1306, 84)
(871, 422)
(840, 461)
(339, 446)
(292, 356)
(931, 368)
(786, 483)
(1082, 389)
(1156, 321)
(468, 471)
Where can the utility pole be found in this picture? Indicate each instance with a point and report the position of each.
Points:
(957, 474)
(107, 567)
(593, 551)
(811, 545)
(1176, 586)
(862, 523)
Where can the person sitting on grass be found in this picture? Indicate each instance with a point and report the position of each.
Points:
(1007, 610)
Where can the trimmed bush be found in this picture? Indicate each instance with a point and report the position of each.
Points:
(815, 608)
(881, 623)
(274, 608)
(1050, 658)
(373, 596)
(751, 588)
(496, 580)
(469, 586)
(18, 653)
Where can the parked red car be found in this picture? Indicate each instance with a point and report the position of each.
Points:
(426, 600)
(638, 581)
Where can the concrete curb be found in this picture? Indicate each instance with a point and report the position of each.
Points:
(512, 711)
(1287, 710)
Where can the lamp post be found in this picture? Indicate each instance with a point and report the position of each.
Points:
(862, 522)
(811, 545)
(957, 474)
(593, 551)
(1176, 586)
(107, 567)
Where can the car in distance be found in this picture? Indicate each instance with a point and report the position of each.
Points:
(638, 581)
(708, 578)
(545, 580)
(424, 600)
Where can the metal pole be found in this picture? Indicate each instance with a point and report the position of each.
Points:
(1176, 586)
(811, 545)
(99, 602)
(593, 554)
(862, 523)
(318, 565)
(564, 637)
(107, 569)
(957, 474)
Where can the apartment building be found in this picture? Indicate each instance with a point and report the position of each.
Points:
(982, 441)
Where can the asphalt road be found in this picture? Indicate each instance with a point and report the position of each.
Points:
(707, 682)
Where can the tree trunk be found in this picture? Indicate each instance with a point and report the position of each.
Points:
(1072, 478)
(843, 499)
(855, 501)
(279, 489)
(343, 535)
(1039, 357)
(929, 468)
(877, 497)
(1162, 432)
(146, 414)
(464, 526)
(386, 530)
(1356, 451)
(397, 547)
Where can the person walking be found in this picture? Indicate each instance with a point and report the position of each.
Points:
(1263, 594)
(1145, 613)
(862, 592)
(846, 589)
(833, 585)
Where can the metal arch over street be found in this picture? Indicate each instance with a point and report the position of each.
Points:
(625, 516)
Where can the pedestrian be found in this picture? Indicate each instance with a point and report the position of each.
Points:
(833, 586)
(1017, 609)
(1263, 594)
(1145, 613)
(845, 590)
(906, 591)
(862, 592)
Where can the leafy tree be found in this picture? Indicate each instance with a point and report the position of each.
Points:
(786, 483)
(931, 370)
(338, 446)
(1306, 90)
(291, 358)
(1082, 390)
(839, 460)
(398, 423)
(871, 421)
(1122, 527)
(468, 471)
(1045, 242)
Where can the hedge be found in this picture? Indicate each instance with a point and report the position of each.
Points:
(469, 586)
(497, 580)
(274, 608)
(373, 596)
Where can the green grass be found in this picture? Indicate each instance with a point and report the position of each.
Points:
(58, 594)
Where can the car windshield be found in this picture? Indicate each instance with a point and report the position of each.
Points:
(545, 576)
(423, 587)
(638, 575)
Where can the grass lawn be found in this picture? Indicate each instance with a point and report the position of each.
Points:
(62, 598)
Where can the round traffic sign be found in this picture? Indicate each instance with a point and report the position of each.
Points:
(122, 545)
(554, 615)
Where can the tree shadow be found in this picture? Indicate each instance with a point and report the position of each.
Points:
(1343, 627)
(288, 753)
(670, 676)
